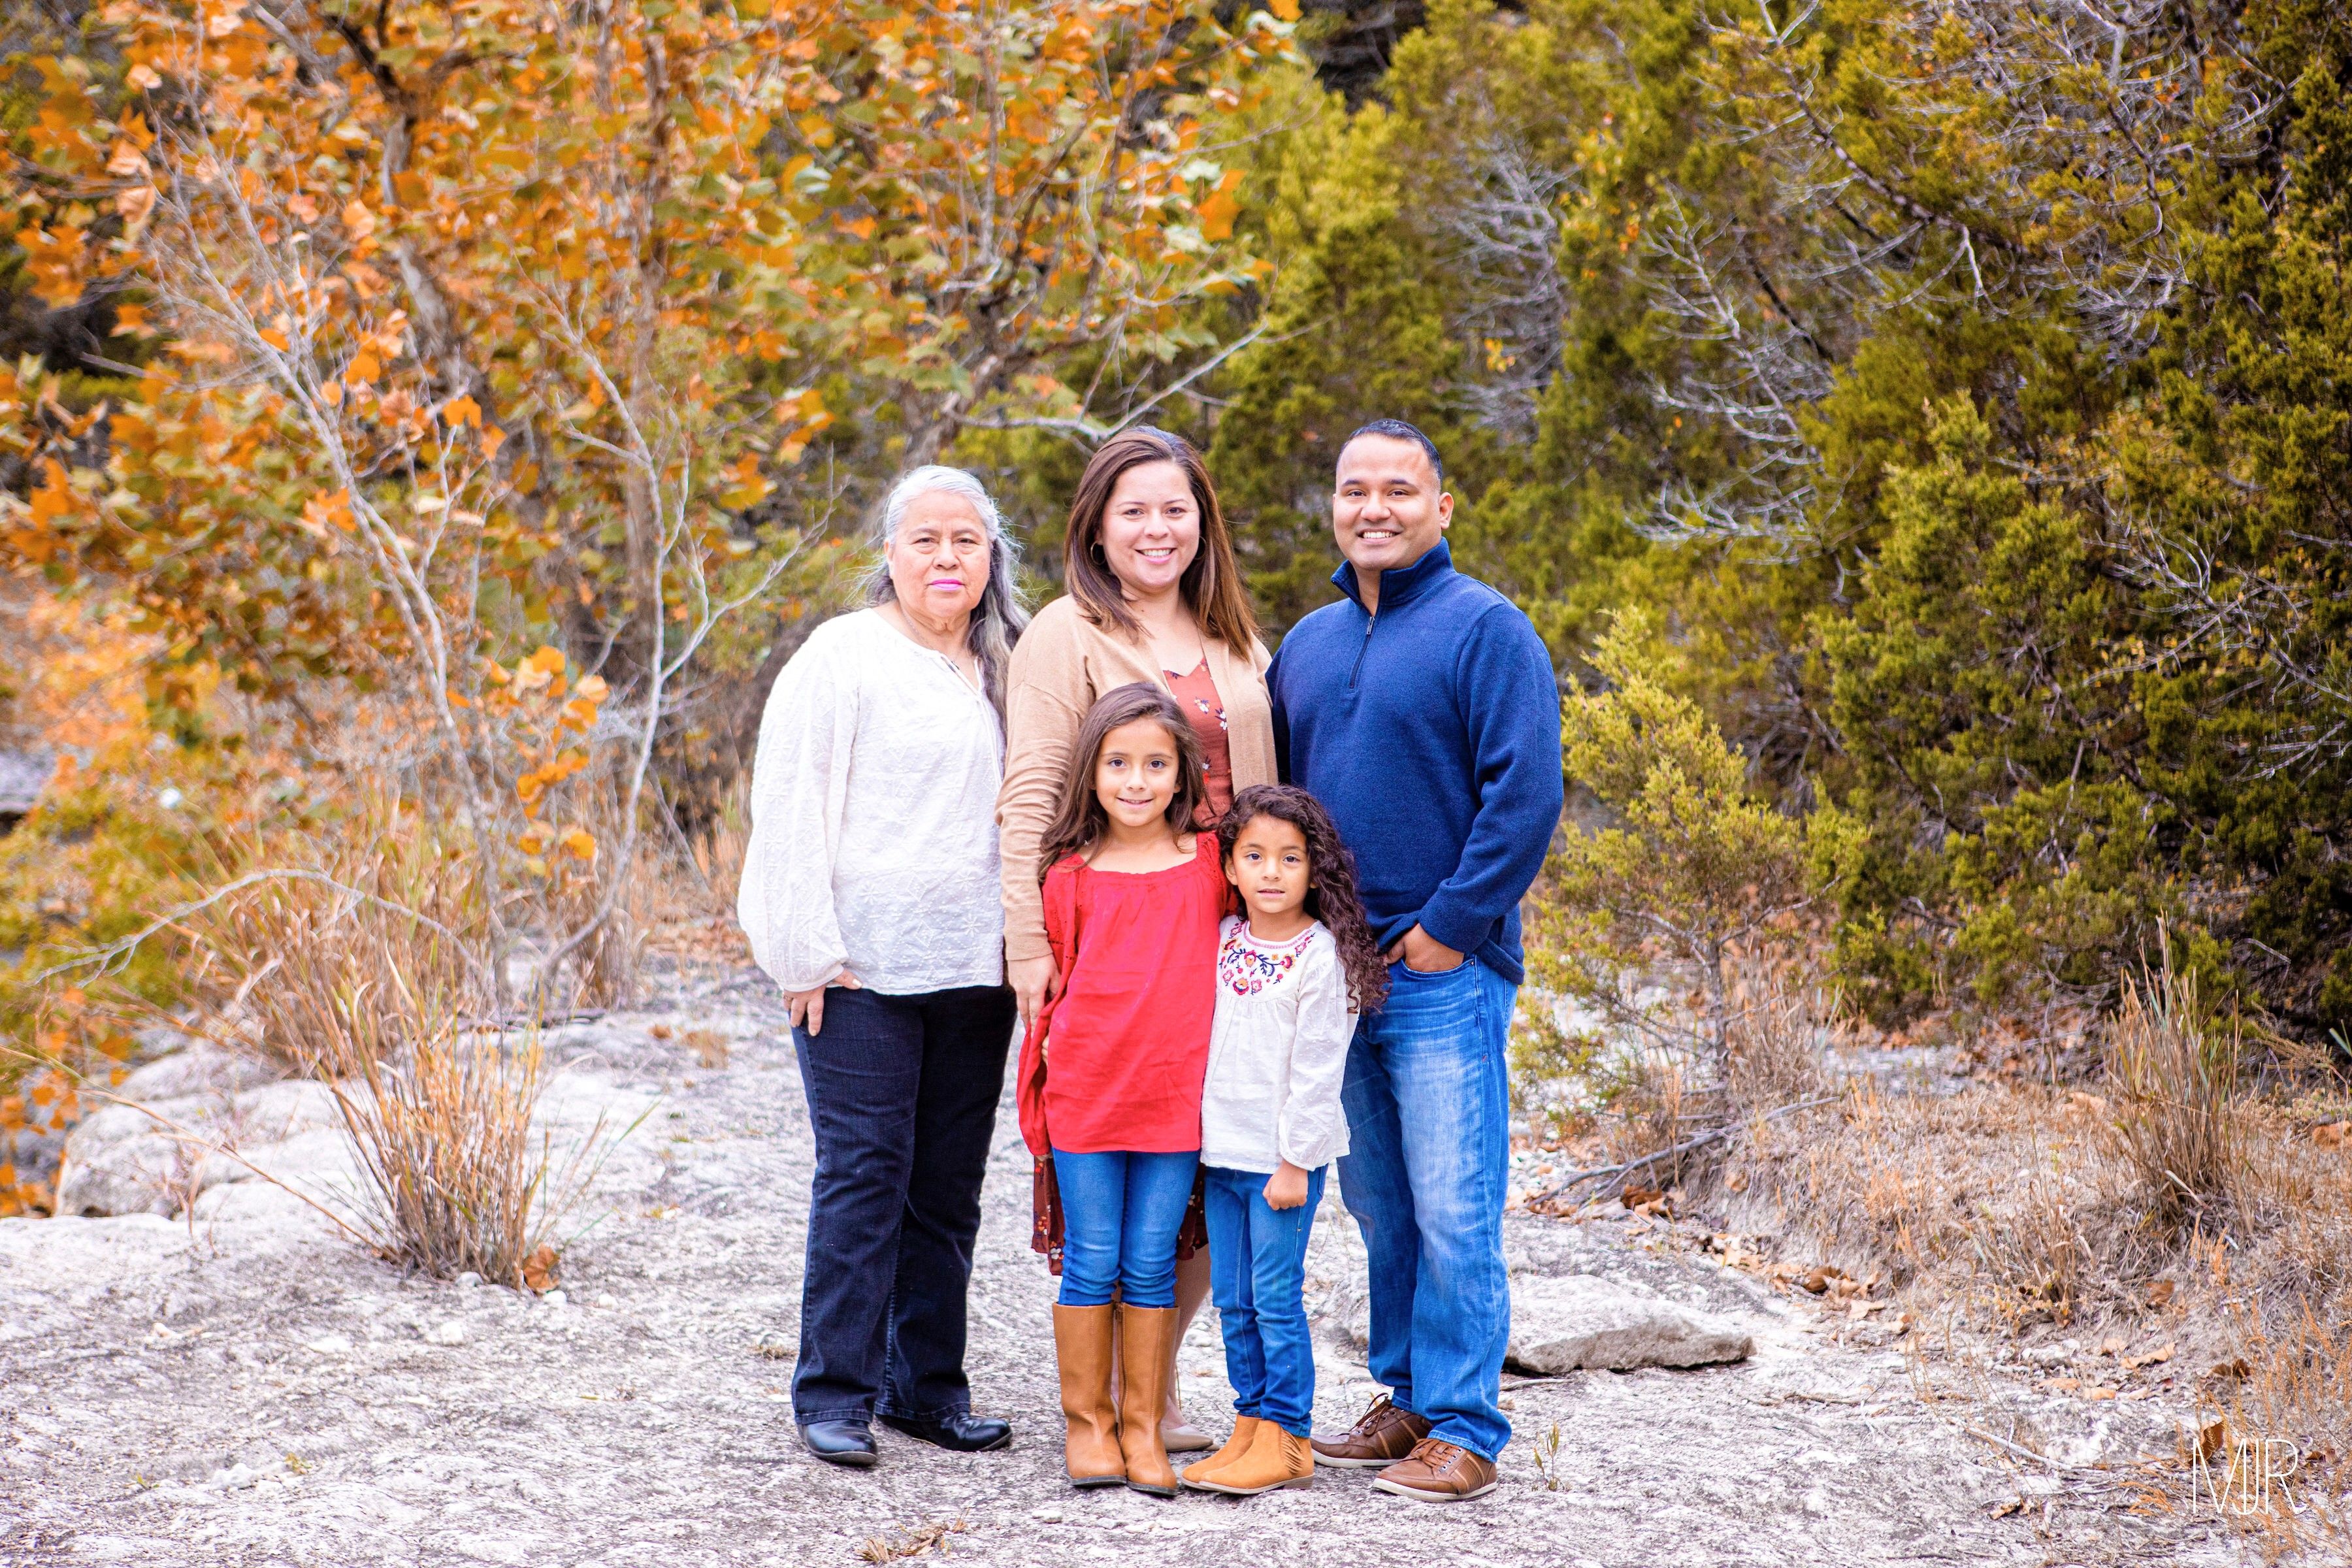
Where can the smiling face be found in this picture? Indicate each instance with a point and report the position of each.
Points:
(1269, 867)
(1388, 509)
(1150, 528)
(938, 557)
(1136, 773)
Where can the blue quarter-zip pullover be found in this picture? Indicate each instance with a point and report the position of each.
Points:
(1431, 732)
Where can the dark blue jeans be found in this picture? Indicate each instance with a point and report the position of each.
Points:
(902, 1093)
(1428, 1149)
(1120, 1214)
(1257, 1270)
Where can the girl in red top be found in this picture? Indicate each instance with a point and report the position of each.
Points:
(1111, 1072)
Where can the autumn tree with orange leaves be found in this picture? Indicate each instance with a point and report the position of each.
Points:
(482, 363)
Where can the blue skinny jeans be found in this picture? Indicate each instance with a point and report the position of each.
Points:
(1257, 1272)
(1121, 1213)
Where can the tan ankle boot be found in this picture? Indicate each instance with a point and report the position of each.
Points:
(1144, 1333)
(1082, 1346)
(1275, 1458)
(1245, 1430)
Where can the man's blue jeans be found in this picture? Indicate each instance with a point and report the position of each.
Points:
(1257, 1272)
(1120, 1214)
(1429, 1151)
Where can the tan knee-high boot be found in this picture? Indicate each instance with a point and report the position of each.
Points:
(1082, 1346)
(1144, 1333)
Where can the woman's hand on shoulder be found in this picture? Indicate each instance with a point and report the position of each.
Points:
(807, 1007)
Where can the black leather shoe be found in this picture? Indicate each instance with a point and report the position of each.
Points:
(962, 1431)
(840, 1443)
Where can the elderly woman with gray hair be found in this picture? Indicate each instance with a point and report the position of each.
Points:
(870, 894)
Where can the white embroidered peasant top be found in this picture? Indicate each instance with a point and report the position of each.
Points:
(1277, 1053)
(873, 818)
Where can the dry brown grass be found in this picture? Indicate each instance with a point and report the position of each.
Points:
(1783, 1022)
(2183, 1221)
(2296, 1389)
(456, 1179)
(1992, 1199)
(2175, 1077)
(1661, 1117)
(350, 981)
(287, 959)
(2183, 1217)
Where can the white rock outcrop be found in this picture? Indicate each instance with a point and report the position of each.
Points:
(1561, 1324)
(158, 1145)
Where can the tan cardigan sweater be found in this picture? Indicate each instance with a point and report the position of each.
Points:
(1062, 664)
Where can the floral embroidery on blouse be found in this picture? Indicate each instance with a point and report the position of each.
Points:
(1246, 969)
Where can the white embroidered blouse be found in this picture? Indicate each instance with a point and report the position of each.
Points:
(873, 818)
(1277, 1052)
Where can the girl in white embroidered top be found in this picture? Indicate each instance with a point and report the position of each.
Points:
(1293, 975)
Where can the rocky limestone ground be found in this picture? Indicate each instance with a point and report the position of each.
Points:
(238, 1386)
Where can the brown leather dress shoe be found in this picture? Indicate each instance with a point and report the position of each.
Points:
(1381, 1437)
(1438, 1471)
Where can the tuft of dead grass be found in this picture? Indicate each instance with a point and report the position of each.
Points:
(382, 1002)
(2175, 1078)
(457, 1181)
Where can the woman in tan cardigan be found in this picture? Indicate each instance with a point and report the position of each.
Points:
(1154, 594)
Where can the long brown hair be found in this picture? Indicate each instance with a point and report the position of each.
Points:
(1082, 820)
(1212, 585)
(1330, 881)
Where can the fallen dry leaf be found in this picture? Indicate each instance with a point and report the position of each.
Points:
(1819, 1279)
(2329, 1134)
(1639, 1197)
(1736, 1183)
(2212, 1438)
(539, 1268)
(2229, 1370)
(659, 1031)
(2098, 1394)
(2112, 1345)
(2014, 1505)
(2159, 1292)
(2063, 1384)
(2088, 1102)
(708, 1046)
(2162, 1352)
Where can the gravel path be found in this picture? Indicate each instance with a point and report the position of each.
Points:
(256, 1392)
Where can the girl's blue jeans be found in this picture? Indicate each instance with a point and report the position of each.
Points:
(1257, 1271)
(1121, 1213)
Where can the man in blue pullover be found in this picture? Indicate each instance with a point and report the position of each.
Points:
(1422, 712)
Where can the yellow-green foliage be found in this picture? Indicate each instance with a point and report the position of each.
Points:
(1690, 869)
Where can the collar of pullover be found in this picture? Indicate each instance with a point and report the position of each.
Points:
(1399, 584)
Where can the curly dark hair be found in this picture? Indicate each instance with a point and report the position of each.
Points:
(1330, 881)
(1082, 819)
